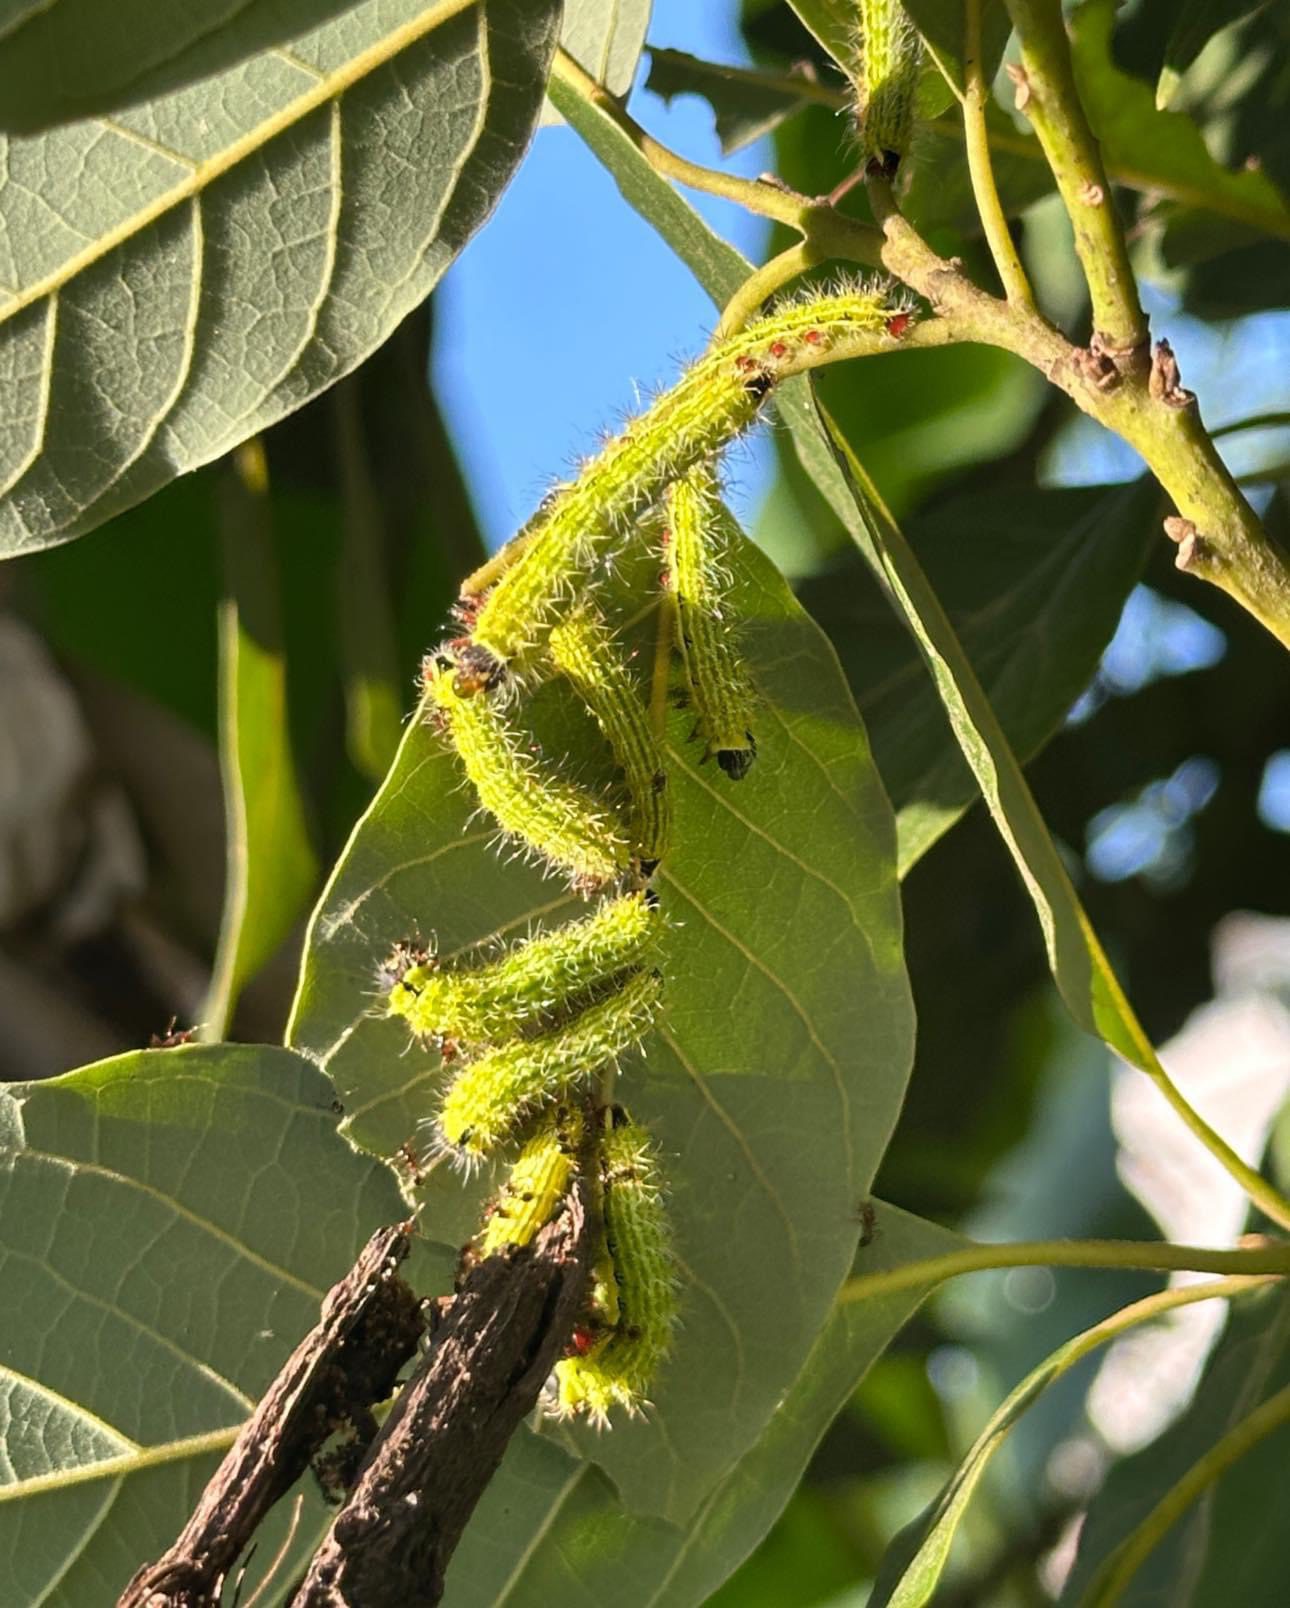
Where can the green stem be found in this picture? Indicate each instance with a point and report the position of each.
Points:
(1012, 275)
(761, 196)
(1269, 1260)
(767, 279)
(1220, 537)
(1048, 97)
(1255, 421)
(1265, 218)
(1118, 1569)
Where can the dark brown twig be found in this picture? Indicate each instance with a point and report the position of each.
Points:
(492, 1348)
(369, 1327)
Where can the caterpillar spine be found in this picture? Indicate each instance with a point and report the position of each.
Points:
(554, 819)
(584, 652)
(529, 986)
(720, 691)
(717, 398)
(619, 1368)
(888, 59)
(491, 1096)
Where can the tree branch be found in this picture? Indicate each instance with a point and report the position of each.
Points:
(492, 1348)
(369, 1327)
(1047, 95)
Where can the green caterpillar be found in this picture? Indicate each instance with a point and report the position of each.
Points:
(489, 1098)
(888, 59)
(536, 1185)
(556, 820)
(619, 1367)
(701, 534)
(524, 988)
(583, 650)
(717, 398)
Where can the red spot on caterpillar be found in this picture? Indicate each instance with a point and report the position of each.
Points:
(665, 579)
(813, 337)
(581, 1342)
(898, 323)
(745, 364)
(779, 349)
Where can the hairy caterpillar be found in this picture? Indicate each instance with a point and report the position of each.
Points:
(583, 650)
(489, 1098)
(536, 1184)
(522, 989)
(619, 1368)
(720, 691)
(885, 71)
(714, 400)
(558, 821)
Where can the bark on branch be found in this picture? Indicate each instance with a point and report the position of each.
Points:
(369, 1327)
(491, 1349)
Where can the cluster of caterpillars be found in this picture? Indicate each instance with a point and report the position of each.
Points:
(532, 1033)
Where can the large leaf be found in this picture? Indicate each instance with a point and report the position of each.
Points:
(1231, 1546)
(775, 1078)
(550, 1530)
(1034, 599)
(73, 58)
(172, 1220)
(174, 280)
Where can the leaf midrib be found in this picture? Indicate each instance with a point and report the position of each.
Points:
(329, 87)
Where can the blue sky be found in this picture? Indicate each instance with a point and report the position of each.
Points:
(567, 308)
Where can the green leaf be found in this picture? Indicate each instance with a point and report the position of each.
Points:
(74, 58)
(1034, 599)
(550, 1530)
(746, 103)
(1232, 1546)
(1164, 152)
(833, 22)
(773, 1108)
(1079, 966)
(271, 868)
(177, 278)
(369, 641)
(941, 24)
(606, 40)
(1194, 25)
(172, 1219)
(939, 190)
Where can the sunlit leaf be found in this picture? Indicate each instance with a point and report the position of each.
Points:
(772, 1111)
(177, 277)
